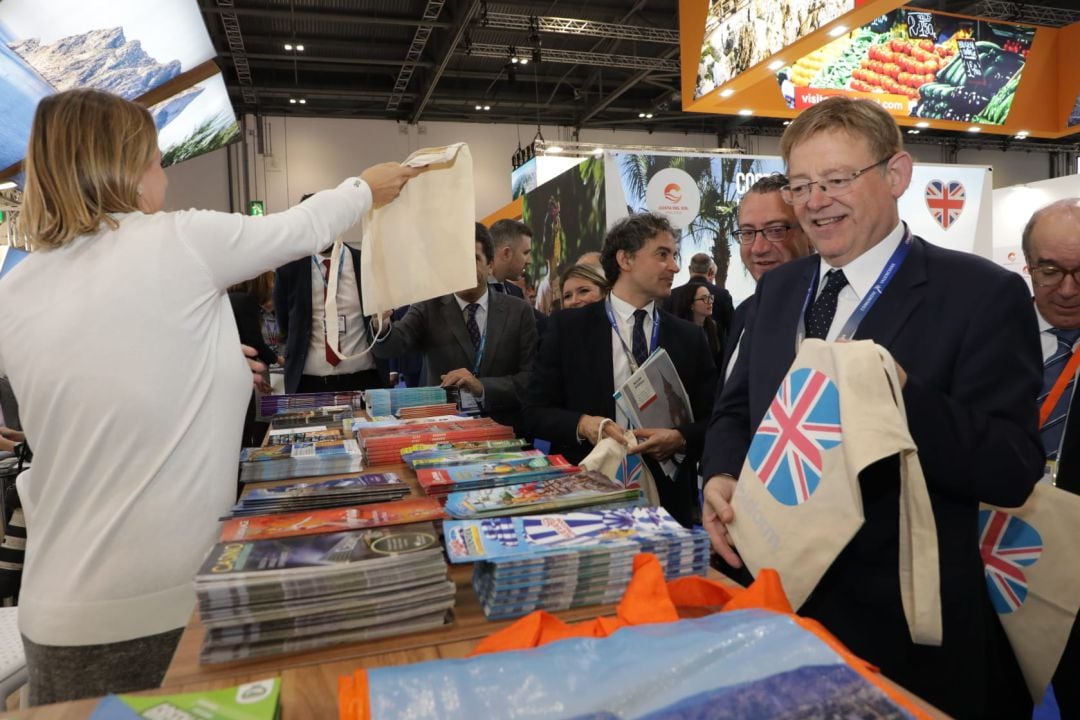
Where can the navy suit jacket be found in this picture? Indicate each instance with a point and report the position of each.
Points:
(964, 331)
(573, 376)
(292, 305)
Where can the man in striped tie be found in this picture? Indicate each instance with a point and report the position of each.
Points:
(1051, 243)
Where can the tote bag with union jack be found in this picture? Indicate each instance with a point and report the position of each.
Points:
(1029, 557)
(797, 503)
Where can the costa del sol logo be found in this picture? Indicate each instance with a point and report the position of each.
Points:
(674, 194)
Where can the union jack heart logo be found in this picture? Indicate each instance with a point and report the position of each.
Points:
(802, 422)
(945, 201)
(1007, 545)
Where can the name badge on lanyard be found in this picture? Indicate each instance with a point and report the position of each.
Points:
(849, 328)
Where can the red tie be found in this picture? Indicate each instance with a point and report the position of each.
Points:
(331, 356)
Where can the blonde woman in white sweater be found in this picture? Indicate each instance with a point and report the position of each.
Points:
(121, 346)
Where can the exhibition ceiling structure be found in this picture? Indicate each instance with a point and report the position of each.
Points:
(579, 64)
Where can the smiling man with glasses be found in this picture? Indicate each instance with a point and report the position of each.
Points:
(1051, 244)
(964, 331)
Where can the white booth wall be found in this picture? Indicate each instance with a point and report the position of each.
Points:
(308, 154)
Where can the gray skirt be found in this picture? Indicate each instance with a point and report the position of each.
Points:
(62, 673)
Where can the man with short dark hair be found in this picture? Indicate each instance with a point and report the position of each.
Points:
(963, 333)
(699, 267)
(478, 341)
(513, 246)
(590, 351)
(1051, 244)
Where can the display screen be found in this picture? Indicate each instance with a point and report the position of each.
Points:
(918, 64)
(741, 33)
(195, 121)
(126, 47)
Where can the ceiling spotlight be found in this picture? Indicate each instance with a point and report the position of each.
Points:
(479, 107)
(922, 124)
(299, 48)
(288, 47)
(514, 60)
(554, 149)
(974, 128)
(913, 132)
(776, 65)
(746, 112)
(524, 61)
(1021, 134)
(292, 101)
(838, 31)
(302, 101)
(787, 122)
(487, 107)
(641, 115)
(726, 93)
(648, 116)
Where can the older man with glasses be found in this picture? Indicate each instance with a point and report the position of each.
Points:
(1051, 243)
(963, 332)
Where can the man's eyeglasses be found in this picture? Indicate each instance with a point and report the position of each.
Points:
(833, 186)
(773, 233)
(1052, 275)
(707, 299)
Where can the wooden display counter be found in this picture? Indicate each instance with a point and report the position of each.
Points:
(309, 679)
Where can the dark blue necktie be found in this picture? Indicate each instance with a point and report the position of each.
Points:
(819, 315)
(638, 346)
(470, 324)
(1054, 426)
(497, 287)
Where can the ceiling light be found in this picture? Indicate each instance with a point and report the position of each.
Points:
(726, 93)
(299, 48)
(648, 116)
(288, 47)
(1021, 134)
(292, 101)
(913, 132)
(776, 65)
(479, 107)
(487, 107)
(524, 61)
(553, 149)
(514, 60)
(922, 124)
(838, 31)
(787, 122)
(974, 128)
(641, 115)
(302, 101)
(746, 112)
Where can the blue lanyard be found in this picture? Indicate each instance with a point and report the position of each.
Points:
(653, 344)
(887, 273)
(480, 353)
(317, 262)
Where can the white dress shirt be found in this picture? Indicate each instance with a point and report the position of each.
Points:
(861, 273)
(620, 362)
(481, 312)
(355, 339)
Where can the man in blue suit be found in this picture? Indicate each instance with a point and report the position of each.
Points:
(963, 333)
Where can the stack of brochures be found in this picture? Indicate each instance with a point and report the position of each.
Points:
(388, 401)
(300, 459)
(545, 495)
(497, 473)
(411, 454)
(299, 593)
(328, 520)
(382, 445)
(271, 405)
(426, 411)
(303, 496)
(559, 561)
